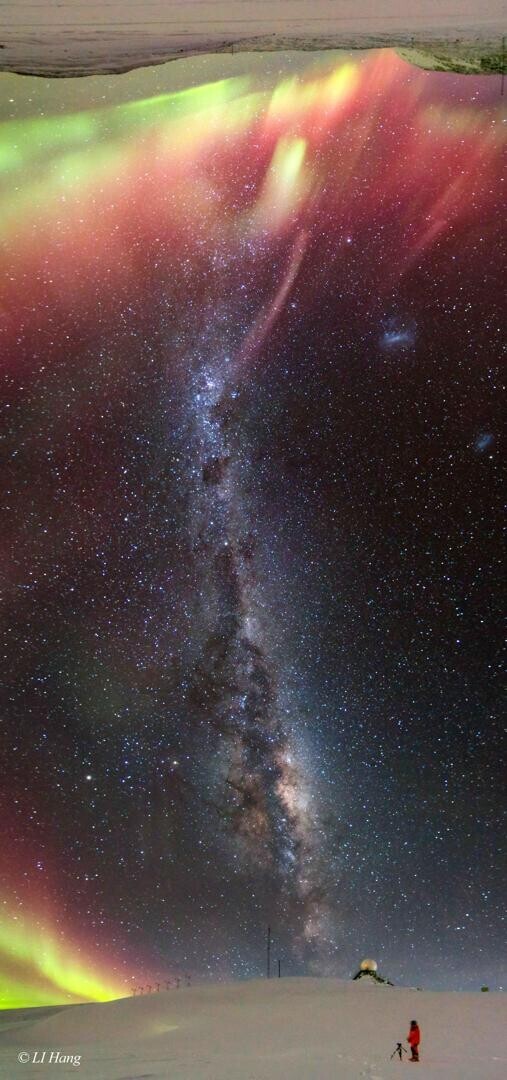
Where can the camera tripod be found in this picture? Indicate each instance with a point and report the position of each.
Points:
(399, 1050)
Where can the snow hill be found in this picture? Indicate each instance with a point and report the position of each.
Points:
(295, 1029)
(77, 37)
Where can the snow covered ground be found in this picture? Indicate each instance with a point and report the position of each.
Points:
(295, 1029)
(58, 37)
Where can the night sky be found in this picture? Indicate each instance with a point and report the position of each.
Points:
(251, 336)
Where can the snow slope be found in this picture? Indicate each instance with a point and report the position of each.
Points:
(58, 37)
(295, 1029)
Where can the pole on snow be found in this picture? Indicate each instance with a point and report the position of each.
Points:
(269, 953)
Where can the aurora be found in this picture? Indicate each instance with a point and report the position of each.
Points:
(250, 337)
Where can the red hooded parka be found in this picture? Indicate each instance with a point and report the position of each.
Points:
(414, 1036)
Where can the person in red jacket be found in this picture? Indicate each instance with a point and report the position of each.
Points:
(413, 1039)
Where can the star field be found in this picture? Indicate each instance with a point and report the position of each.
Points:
(251, 489)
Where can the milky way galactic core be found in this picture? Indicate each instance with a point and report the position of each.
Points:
(251, 333)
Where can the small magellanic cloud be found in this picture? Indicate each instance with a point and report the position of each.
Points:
(484, 441)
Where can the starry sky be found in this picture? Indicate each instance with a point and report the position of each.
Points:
(250, 322)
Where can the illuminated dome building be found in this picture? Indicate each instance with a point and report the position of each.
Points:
(368, 969)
